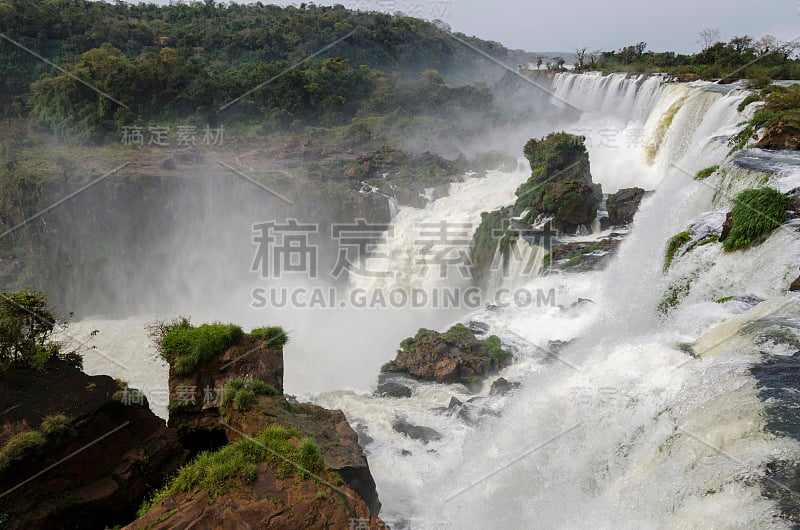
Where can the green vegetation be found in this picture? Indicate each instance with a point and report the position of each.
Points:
(554, 153)
(183, 62)
(281, 448)
(485, 240)
(781, 107)
(274, 336)
(724, 299)
(19, 445)
(185, 346)
(26, 327)
(675, 243)
(756, 213)
(244, 394)
(560, 183)
(742, 57)
(57, 427)
(461, 337)
(705, 173)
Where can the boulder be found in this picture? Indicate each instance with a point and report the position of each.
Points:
(117, 453)
(393, 389)
(795, 286)
(416, 432)
(623, 204)
(502, 387)
(780, 135)
(455, 356)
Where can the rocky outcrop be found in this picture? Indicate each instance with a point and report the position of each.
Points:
(455, 356)
(192, 395)
(780, 135)
(560, 185)
(107, 459)
(795, 286)
(337, 441)
(213, 420)
(622, 205)
(269, 501)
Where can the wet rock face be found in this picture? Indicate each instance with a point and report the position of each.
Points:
(622, 206)
(795, 286)
(124, 450)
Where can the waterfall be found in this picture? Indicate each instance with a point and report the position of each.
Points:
(625, 430)
(643, 420)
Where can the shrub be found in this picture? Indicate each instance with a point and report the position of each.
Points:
(26, 325)
(756, 213)
(273, 335)
(184, 346)
(243, 395)
(57, 427)
(260, 388)
(19, 445)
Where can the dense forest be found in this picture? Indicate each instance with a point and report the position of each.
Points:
(228, 63)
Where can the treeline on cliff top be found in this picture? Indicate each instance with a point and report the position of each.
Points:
(192, 61)
(760, 59)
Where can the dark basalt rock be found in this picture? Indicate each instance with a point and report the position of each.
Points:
(502, 387)
(393, 389)
(622, 205)
(118, 453)
(416, 432)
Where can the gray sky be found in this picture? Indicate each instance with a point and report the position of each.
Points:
(565, 25)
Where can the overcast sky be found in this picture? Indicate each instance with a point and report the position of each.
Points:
(560, 25)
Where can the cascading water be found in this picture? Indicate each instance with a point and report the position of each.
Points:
(624, 429)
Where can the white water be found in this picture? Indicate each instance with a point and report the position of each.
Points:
(623, 429)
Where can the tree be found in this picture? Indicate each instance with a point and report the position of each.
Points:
(708, 37)
(538, 63)
(26, 326)
(741, 44)
(580, 55)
